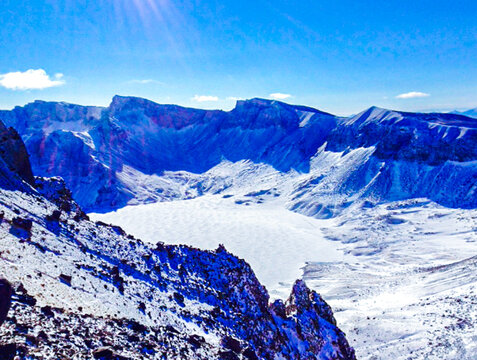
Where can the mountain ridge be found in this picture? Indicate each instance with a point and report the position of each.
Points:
(93, 148)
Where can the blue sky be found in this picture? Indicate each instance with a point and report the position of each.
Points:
(339, 56)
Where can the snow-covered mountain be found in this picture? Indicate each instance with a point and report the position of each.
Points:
(470, 113)
(384, 202)
(85, 288)
(106, 155)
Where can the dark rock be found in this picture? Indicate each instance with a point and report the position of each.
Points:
(54, 216)
(137, 327)
(228, 355)
(22, 328)
(179, 298)
(133, 338)
(103, 353)
(147, 348)
(31, 340)
(14, 154)
(171, 329)
(65, 279)
(5, 299)
(279, 308)
(8, 351)
(47, 311)
(54, 189)
(24, 224)
(42, 336)
(249, 354)
(24, 299)
(232, 344)
(19, 288)
(196, 340)
(118, 281)
(303, 299)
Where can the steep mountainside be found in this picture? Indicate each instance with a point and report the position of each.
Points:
(104, 155)
(15, 169)
(85, 288)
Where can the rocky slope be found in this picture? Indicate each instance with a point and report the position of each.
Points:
(104, 154)
(86, 289)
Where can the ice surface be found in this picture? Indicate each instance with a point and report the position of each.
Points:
(275, 242)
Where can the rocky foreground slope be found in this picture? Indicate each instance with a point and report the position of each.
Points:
(86, 289)
(103, 153)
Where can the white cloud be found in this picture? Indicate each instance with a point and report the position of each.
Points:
(280, 96)
(412, 95)
(205, 98)
(30, 80)
(233, 98)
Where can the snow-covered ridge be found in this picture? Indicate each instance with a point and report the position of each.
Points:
(102, 152)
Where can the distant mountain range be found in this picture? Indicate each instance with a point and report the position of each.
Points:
(470, 113)
(122, 154)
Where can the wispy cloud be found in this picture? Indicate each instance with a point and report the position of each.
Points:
(205, 98)
(145, 81)
(280, 96)
(412, 95)
(30, 80)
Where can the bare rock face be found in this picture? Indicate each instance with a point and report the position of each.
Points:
(5, 299)
(14, 159)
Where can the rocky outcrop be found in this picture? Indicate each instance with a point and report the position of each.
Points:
(14, 159)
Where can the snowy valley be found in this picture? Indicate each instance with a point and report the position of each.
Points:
(376, 212)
